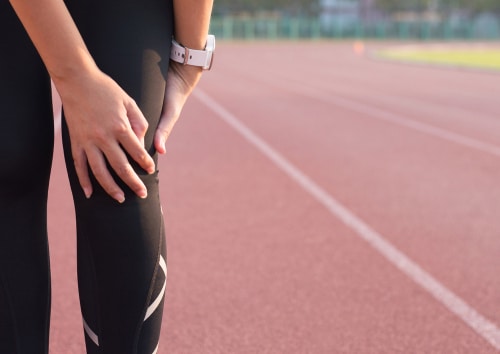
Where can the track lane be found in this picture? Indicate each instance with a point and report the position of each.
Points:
(290, 279)
(484, 327)
(469, 187)
(389, 86)
(66, 332)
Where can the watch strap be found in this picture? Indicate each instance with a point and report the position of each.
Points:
(187, 56)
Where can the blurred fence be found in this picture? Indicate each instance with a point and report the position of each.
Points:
(293, 28)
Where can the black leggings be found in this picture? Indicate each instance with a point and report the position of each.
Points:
(121, 247)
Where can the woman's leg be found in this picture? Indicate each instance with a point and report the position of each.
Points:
(26, 143)
(121, 247)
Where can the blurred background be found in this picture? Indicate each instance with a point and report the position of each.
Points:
(380, 19)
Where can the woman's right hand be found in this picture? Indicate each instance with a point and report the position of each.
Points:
(103, 120)
(104, 123)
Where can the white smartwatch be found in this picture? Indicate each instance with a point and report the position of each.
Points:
(186, 56)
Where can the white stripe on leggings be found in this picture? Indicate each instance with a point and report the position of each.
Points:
(156, 303)
(90, 333)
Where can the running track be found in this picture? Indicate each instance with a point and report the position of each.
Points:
(319, 201)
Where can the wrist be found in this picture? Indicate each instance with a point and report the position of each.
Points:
(73, 82)
(197, 43)
(74, 71)
(190, 75)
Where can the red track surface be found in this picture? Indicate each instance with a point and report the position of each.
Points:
(257, 265)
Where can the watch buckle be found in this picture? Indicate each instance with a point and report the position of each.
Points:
(186, 56)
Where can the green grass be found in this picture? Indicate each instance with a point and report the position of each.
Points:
(474, 58)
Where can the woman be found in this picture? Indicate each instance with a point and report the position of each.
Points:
(109, 60)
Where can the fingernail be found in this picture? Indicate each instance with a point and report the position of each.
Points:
(120, 198)
(88, 192)
(143, 194)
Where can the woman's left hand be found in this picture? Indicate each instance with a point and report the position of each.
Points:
(181, 80)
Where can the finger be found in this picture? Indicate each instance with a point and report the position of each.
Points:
(82, 171)
(98, 166)
(129, 141)
(120, 164)
(137, 120)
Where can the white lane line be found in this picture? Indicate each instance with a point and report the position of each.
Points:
(382, 114)
(482, 326)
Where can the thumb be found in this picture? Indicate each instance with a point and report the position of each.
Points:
(163, 132)
(165, 127)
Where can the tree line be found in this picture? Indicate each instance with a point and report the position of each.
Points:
(472, 7)
(312, 7)
(293, 7)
